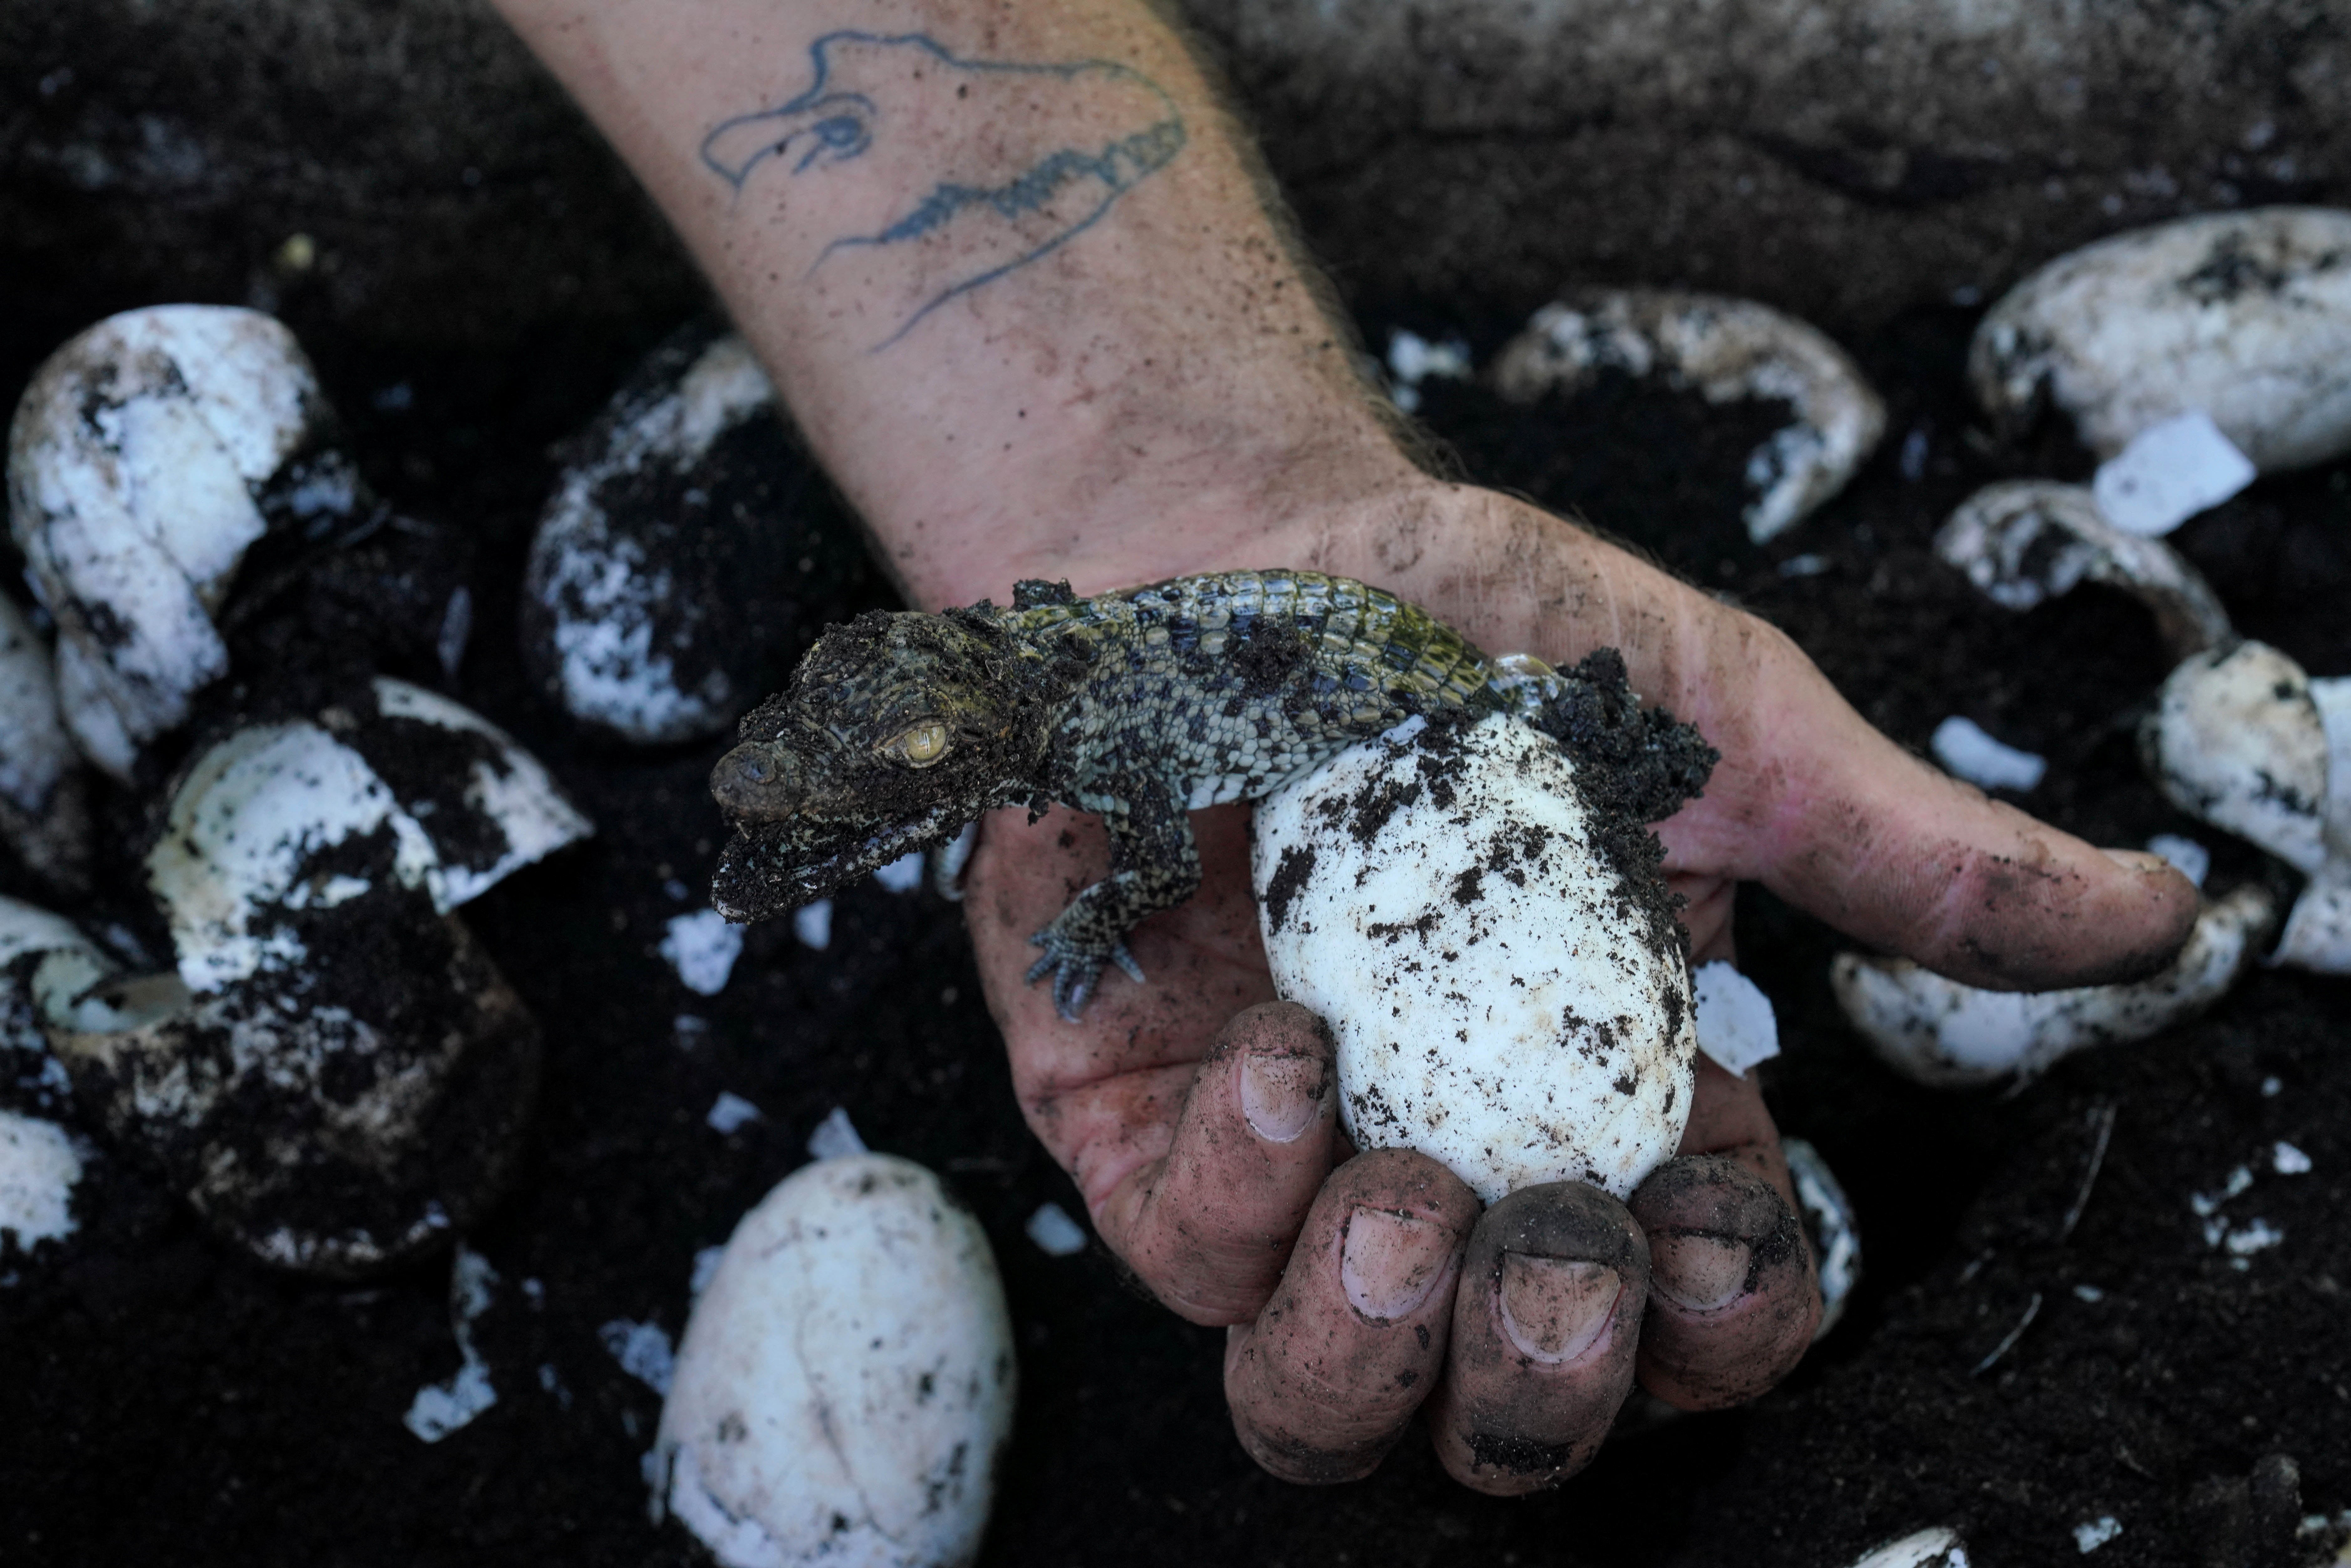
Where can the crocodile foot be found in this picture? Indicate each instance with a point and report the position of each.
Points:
(1076, 964)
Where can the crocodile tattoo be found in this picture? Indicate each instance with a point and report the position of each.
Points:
(900, 727)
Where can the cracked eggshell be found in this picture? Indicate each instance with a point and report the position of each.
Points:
(44, 809)
(147, 455)
(845, 1386)
(1728, 349)
(2245, 315)
(656, 585)
(2026, 542)
(1504, 998)
(2236, 740)
(1947, 1035)
(336, 1071)
(2317, 935)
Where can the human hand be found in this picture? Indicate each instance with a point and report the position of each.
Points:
(1196, 1114)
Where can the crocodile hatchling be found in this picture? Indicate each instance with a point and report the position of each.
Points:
(900, 727)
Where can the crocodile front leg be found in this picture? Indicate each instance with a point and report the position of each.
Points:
(1153, 865)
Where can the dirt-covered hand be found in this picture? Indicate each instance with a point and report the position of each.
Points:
(1198, 1115)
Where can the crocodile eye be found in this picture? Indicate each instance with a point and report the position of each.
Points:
(919, 747)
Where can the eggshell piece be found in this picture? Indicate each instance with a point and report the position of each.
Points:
(1949, 1035)
(846, 1381)
(146, 456)
(1728, 349)
(2236, 740)
(2023, 542)
(685, 535)
(2244, 315)
(1500, 1000)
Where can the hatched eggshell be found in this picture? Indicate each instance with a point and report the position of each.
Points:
(1949, 1035)
(146, 456)
(1729, 350)
(2025, 541)
(846, 1381)
(2245, 315)
(1504, 998)
(2236, 740)
(682, 543)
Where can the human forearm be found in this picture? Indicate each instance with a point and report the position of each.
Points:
(1007, 263)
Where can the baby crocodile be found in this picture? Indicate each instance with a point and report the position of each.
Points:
(898, 729)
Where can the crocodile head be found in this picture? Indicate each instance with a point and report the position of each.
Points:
(896, 729)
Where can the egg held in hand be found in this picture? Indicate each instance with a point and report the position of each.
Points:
(1487, 934)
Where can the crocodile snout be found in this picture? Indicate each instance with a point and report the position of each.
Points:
(756, 780)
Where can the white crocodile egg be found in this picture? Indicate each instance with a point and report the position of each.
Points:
(846, 1381)
(1505, 999)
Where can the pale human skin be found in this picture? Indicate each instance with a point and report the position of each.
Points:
(1037, 323)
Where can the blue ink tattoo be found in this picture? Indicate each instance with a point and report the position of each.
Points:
(1028, 175)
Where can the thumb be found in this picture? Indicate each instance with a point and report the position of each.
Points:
(1836, 819)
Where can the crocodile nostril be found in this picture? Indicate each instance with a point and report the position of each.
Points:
(750, 782)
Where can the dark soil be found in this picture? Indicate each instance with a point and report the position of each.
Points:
(165, 1399)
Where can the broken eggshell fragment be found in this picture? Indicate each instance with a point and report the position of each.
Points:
(147, 456)
(1949, 1035)
(2024, 542)
(336, 1071)
(656, 583)
(845, 1386)
(1506, 998)
(2245, 315)
(2236, 739)
(1729, 350)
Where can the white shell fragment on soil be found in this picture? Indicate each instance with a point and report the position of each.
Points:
(44, 813)
(671, 557)
(1939, 1547)
(2237, 741)
(2317, 935)
(1728, 349)
(147, 455)
(2024, 542)
(2244, 315)
(1735, 1025)
(846, 1382)
(1949, 1035)
(2170, 471)
(38, 1169)
(1833, 1224)
(1499, 999)
(1967, 750)
(335, 1071)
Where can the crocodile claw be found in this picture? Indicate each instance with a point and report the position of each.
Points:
(1076, 966)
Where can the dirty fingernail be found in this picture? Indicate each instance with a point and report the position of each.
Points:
(1701, 1273)
(1555, 1308)
(1281, 1095)
(1391, 1261)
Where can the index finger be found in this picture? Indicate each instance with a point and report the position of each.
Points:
(1812, 802)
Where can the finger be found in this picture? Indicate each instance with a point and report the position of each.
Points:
(1545, 1324)
(1209, 1227)
(1839, 821)
(1324, 1381)
(1731, 1299)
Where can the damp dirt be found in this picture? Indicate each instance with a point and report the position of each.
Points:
(167, 1399)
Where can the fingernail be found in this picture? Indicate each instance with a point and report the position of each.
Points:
(1555, 1308)
(1701, 1273)
(1281, 1095)
(1391, 1261)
